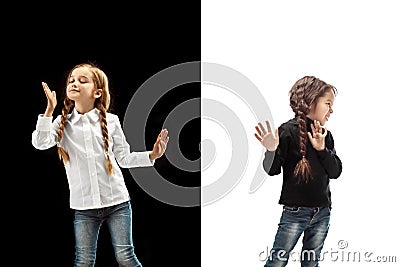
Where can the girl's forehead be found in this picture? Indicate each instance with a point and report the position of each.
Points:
(329, 95)
(81, 71)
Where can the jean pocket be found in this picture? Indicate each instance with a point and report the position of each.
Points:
(292, 209)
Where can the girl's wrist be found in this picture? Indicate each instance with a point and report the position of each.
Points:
(48, 113)
(152, 156)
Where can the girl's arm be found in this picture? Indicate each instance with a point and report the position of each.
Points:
(276, 149)
(328, 158)
(121, 148)
(278, 156)
(45, 134)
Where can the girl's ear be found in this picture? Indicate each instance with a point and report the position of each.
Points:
(98, 93)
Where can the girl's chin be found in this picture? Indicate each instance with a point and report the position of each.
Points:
(71, 96)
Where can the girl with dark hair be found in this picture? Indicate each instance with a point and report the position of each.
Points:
(93, 148)
(303, 150)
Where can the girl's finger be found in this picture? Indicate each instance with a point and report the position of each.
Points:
(315, 124)
(309, 135)
(258, 131)
(258, 137)
(268, 126)
(313, 129)
(325, 132)
(45, 86)
(318, 126)
(264, 132)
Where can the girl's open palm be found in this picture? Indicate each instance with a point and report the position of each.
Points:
(160, 145)
(317, 137)
(51, 98)
(266, 137)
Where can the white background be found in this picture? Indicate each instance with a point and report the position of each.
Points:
(353, 45)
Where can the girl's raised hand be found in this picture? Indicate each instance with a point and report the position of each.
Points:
(160, 145)
(317, 137)
(51, 99)
(268, 139)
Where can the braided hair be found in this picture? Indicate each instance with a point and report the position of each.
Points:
(303, 95)
(102, 104)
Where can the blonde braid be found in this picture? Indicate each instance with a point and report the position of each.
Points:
(62, 153)
(104, 130)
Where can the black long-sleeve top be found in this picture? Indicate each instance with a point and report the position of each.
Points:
(325, 165)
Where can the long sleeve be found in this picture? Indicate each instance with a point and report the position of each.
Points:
(278, 156)
(121, 150)
(328, 158)
(44, 136)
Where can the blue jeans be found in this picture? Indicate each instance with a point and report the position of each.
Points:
(87, 225)
(313, 222)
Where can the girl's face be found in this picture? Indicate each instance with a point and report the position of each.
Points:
(322, 108)
(81, 87)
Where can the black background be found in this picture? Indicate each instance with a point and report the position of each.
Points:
(130, 42)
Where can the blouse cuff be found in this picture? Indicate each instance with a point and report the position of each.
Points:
(144, 159)
(44, 123)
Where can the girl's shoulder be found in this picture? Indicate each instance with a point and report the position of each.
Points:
(112, 118)
(288, 129)
(111, 115)
(289, 125)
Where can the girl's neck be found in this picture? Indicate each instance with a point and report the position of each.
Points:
(82, 109)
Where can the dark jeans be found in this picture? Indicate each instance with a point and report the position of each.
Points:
(87, 225)
(313, 222)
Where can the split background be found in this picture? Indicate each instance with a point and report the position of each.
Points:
(353, 45)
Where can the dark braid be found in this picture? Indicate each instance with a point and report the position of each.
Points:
(302, 170)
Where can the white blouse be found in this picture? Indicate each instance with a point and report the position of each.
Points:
(89, 184)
